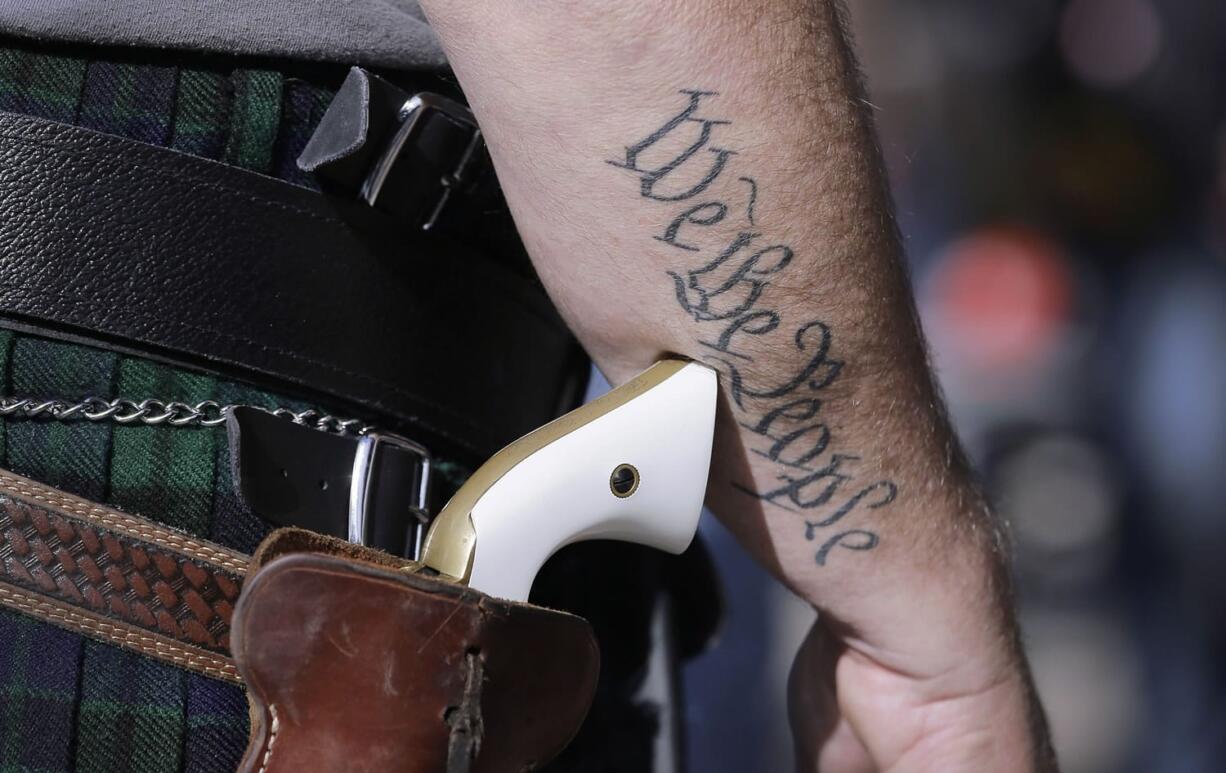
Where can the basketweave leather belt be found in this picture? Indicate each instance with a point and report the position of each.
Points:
(353, 659)
(183, 259)
(117, 577)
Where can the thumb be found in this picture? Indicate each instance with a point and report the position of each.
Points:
(823, 739)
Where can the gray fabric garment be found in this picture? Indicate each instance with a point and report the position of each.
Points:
(378, 33)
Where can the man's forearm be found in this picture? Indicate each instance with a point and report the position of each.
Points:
(700, 177)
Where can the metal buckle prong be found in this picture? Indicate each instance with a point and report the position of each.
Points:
(360, 487)
(454, 180)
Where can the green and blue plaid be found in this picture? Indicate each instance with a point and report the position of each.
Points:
(66, 702)
(254, 119)
(69, 703)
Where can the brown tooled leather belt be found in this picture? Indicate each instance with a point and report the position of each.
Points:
(118, 578)
(329, 638)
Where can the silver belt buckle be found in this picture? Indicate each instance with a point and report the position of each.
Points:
(360, 513)
(412, 116)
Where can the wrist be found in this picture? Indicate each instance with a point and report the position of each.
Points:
(932, 601)
(849, 711)
(986, 729)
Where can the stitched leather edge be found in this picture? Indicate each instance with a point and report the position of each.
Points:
(46, 602)
(120, 634)
(137, 528)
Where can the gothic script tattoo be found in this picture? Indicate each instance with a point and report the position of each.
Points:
(722, 284)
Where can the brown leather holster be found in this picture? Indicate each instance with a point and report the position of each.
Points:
(355, 661)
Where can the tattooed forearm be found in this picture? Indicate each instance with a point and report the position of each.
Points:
(722, 280)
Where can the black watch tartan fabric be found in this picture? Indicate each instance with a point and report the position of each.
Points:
(256, 119)
(68, 703)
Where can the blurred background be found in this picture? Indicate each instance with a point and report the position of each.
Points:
(1059, 170)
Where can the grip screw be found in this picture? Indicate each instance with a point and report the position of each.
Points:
(624, 481)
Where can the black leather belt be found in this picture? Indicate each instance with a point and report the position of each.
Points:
(210, 266)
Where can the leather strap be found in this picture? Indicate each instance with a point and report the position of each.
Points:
(210, 266)
(417, 156)
(296, 476)
(130, 581)
(118, 578)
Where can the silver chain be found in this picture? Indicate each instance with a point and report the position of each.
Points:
(207, 413)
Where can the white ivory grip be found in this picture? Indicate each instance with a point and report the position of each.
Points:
(630, 466)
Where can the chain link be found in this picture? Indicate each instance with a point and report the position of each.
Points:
(152, 412)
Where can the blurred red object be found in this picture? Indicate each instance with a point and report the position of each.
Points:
(999, 296)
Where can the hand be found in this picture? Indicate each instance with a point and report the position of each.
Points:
(851, 713)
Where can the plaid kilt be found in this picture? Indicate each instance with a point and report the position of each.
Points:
(66, 702)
